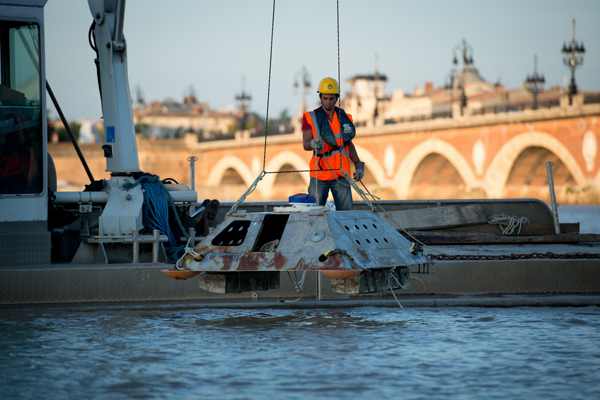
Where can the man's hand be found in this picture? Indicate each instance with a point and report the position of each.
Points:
(316, 144)
(360, 170)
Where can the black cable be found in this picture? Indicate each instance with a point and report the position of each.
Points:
(92, 37)
(68, 128)
(92, 42)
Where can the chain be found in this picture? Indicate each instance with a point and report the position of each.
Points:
(512, 256)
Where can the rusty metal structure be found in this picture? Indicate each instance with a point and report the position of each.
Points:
(247, 251)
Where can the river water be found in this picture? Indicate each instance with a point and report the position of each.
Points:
(362, 353)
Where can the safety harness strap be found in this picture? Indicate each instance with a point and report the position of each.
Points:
(313, 117)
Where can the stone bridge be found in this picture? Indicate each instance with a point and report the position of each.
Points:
(483, 156)
(488, 156)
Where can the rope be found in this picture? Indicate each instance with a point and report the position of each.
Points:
(156, 212)
(270, 247)
(297, 285)
(512, 222)
(269, 89)
(156, 179)
(389, 273)
(188, 250)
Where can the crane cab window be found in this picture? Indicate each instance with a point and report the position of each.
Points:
(21, 127)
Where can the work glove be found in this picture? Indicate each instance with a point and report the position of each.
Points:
(360, 170)
(316, 144)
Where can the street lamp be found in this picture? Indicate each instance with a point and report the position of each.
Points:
(302, 79)
(572, 54)
(376, 88)
(243, 100)
(535, 83)
(459, 78)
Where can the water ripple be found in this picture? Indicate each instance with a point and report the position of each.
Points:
(382, 353)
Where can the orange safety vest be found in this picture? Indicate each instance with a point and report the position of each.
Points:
(332, 160)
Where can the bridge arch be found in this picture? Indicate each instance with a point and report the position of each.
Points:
(499, 169)
(373, 164)
(406, 171)
(215, 175)
(276, 163)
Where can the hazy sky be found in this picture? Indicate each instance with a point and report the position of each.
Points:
(212, 44)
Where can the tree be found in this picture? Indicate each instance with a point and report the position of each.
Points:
(63, 136)
(284, 117)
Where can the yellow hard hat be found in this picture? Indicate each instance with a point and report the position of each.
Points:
(328, 86)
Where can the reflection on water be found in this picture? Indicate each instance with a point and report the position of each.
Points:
(299, 354)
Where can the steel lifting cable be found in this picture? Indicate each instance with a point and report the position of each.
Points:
(262, 174)
(339, 102)
(269, 82)
(375, 198)
(338, 44)
(264, 171)
(269, 89)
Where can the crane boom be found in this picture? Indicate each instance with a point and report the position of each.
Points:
(120, 148)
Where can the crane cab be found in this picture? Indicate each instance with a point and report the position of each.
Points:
(23, 137)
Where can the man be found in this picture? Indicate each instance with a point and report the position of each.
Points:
(18, 168)
(328, 132)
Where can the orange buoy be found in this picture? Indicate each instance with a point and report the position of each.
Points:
(341, 274)
(177, 274)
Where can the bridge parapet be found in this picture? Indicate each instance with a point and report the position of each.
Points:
(486, 155)
(583, 105)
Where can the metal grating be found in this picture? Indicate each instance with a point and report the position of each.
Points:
(25, 249)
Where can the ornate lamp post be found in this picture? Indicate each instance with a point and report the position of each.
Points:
(376, 88)
(452, 77)
(302, 79)
(457, 79)
(572, 54)
(535, 83)
(243, 100)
